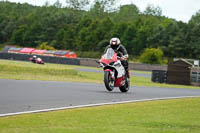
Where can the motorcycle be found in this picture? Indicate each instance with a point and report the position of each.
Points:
(114, 72)
(36, 60)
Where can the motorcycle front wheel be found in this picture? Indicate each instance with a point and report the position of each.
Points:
(109, 83)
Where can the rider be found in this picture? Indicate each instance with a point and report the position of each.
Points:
(121, 52)
(34, 58)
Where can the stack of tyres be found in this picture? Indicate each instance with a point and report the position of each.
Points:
(159, 76)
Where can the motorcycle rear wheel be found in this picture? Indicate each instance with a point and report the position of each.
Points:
(109, 83)
(126, 86)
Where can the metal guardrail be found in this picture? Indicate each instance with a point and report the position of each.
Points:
(46, 59)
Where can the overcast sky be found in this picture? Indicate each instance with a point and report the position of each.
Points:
(177, 9)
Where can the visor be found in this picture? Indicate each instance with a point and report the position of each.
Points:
(114, 43)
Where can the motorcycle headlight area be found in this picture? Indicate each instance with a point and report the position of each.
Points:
(112, 63)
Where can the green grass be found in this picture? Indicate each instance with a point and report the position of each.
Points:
(20, 70)
(52, 72)
(165, 116)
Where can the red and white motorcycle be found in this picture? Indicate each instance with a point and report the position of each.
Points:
(114, 72)
(37, 60)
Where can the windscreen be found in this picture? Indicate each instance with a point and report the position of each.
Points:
(109, 53)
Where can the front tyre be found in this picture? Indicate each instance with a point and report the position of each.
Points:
(109, 83)
(126, 86)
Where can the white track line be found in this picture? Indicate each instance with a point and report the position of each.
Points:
(91, 105)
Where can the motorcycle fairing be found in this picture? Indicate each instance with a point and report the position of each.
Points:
(119, 82)
(109, 57)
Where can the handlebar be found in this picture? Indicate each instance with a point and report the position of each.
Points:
(97, 61)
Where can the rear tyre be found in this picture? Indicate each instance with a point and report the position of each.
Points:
(109, 83)
(126, 86)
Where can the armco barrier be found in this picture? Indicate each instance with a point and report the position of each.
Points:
(146, 67)
(78, 61)
(89, 62)
(132, 66)
(46, 59)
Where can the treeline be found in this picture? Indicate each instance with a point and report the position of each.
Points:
(78, 29)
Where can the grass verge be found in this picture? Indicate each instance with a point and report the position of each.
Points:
(56, 72)
(165, 116)
(52, 72)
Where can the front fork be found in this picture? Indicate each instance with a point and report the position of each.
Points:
(112, 75)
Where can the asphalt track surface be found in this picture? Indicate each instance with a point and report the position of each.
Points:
(26, 95)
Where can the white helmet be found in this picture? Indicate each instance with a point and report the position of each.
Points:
(114, 41)
(34, 56)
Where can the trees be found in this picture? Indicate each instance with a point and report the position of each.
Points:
(194, 33)
(97, 11)
(45, 46)
(74, 28)
(127, 13)
(152, 10)
(129, 37)
(152, 56)
(3, 34)
(107, 5)
(77, 4)
(18, 35)
(57, 4)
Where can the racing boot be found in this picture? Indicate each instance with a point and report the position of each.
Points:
(127, 73)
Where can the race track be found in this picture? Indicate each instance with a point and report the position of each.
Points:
(25, 95)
